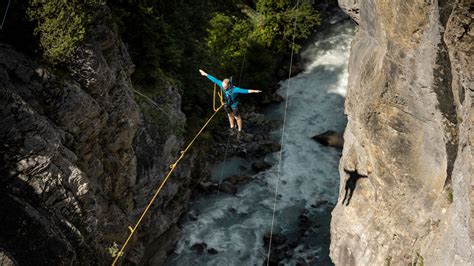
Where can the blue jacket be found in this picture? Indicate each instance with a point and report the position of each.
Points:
(235, 91)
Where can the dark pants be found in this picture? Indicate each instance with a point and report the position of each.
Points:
(231, 110)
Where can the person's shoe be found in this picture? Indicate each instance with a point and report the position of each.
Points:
(231, 131)
(240, 134)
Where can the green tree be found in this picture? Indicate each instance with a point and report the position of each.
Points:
(276, 20)
(62, 24)
(227, 41)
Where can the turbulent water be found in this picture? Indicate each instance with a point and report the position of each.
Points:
(235, 226)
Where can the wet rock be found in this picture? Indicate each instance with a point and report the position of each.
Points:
(301, 262)
(193, 215)
(319, 203)
(248, 137)
(207, 186)
(268, 98)
(330, 138)
(296, 68)
(238, 179)
(274, 124)
(277, 239)
(260, 165)
(293, 244)
(243, 153)
(199, 247)
(256, 119)
(304, 222)
(212, 251)
(227, 187)
(265, 148)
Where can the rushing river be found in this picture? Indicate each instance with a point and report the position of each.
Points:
(233, 227)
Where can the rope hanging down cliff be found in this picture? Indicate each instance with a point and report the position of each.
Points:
(172, 167)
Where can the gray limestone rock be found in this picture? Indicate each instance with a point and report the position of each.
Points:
(69, 150)
(409, 108)
(351, 7)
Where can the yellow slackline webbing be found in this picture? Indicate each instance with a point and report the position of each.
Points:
(172, 167)
(219, 93)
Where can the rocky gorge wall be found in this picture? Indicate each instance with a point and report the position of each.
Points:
(80, 158)
(408, 146)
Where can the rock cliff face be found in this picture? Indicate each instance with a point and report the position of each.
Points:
(69, 184)
(409, 107)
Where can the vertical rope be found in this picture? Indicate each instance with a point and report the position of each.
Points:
(282, 140)
(243, 60)
(223, 166)
(5, 16)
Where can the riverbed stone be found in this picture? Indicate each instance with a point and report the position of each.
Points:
(260, 165)
(330, 138)
(199, 247)
(238, 179)
(212, 251)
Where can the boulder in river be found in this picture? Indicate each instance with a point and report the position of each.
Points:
(260, 165)
(238, 179)
(277, 239)
(330, 138)
(227, 187)
(199, 247)
(319, 203)
(207, 186)
(212, 251)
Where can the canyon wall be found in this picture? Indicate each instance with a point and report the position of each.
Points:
(80, 158)
(408, 147)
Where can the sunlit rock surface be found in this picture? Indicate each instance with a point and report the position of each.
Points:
(80, 158)
(409, 107)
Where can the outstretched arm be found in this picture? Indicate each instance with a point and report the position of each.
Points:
(254, 91)
(245, 91)
(211, 78)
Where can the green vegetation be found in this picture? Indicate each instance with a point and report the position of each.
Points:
(170, 40)
(62, 24)
(419, 260)
(388, 260)
(113, 250)
(449, 195)
(277, 20)
(227, 41)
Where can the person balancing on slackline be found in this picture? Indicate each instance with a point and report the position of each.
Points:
(230, 93)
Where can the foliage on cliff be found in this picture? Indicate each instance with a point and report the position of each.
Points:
(61, 25)
(170, 40)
